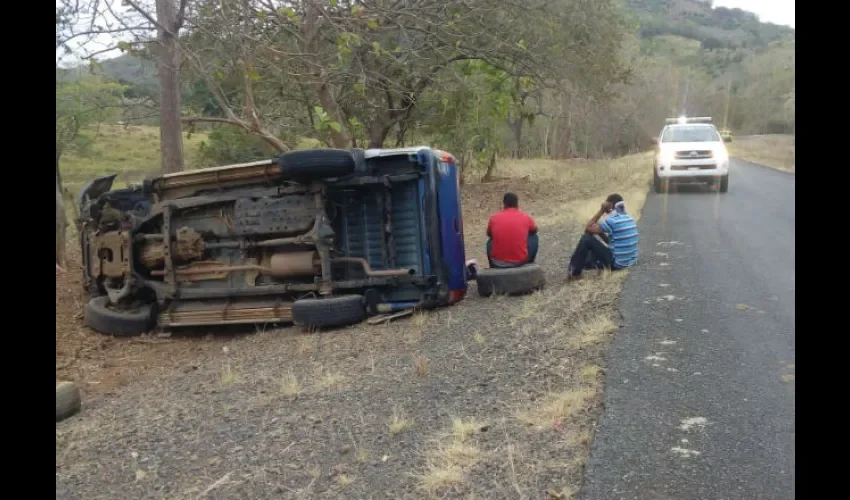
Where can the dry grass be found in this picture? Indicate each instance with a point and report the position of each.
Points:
(290, 385)
(584, 179)
(438, 476)
(592, 330)
(576, 213)
(590, 372)
(775, 151)
(532, 305)
(419, 319)
(451, 454)
(581, 438)
(557, 407)
(420, 366)
(461, 453)
(399, 422)
(464, 428)
(584, 308)
(229, 376)
(326, 379)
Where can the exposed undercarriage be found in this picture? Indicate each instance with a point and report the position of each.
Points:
(242, 244)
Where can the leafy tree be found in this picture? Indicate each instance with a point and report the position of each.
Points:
(80, 106)
(228, 145)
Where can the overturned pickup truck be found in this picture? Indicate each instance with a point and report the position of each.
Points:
(320, 237)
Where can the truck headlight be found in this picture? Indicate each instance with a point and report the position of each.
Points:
(666, 156)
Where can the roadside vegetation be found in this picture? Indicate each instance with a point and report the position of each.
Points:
(775, 151)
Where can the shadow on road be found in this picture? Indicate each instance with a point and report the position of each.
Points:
(692, 189)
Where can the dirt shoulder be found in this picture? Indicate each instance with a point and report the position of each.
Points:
(775, 151)
(492, 398)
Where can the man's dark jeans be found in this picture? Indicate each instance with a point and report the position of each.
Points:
(533, 244)
(590, 253)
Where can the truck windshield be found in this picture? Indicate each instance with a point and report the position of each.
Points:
(690, 134)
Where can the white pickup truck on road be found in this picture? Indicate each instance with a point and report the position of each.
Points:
(691, 150)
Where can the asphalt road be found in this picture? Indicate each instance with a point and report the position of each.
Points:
(699, 402)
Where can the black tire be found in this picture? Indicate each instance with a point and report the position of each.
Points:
(316, 163)
(510, 281)
(341, 310)
(67, 400)
(724, 184)
(658, 183)
(129, 323)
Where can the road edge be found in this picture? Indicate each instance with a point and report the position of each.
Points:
(774, 169)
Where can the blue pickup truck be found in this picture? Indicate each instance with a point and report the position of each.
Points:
(321, 238)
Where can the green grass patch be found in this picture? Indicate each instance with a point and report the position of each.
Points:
(132, 153)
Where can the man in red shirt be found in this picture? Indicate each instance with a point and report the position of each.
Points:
(513, 236)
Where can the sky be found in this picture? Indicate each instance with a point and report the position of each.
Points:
(769, 11)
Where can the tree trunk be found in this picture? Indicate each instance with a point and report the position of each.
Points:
(324, 90)
(378, 131)
(491, 167)
(168, 73)
(568, 129)
(61, 221)
(516, 125)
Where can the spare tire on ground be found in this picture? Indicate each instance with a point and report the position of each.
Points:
(341, 310)
(101, 318)
(316, 163)
(510, 281)
(67, 400)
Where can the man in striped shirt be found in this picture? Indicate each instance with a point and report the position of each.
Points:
(621, 231)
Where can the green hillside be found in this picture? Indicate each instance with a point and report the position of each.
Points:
(714, 28)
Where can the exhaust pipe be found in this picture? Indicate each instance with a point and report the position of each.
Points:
(371, 272)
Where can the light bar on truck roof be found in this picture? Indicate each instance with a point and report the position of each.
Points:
(688, 119)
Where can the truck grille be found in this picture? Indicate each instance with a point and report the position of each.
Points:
(693, 155)
(689, 167)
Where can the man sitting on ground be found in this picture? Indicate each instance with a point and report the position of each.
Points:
(620, 230)
(513, 236)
